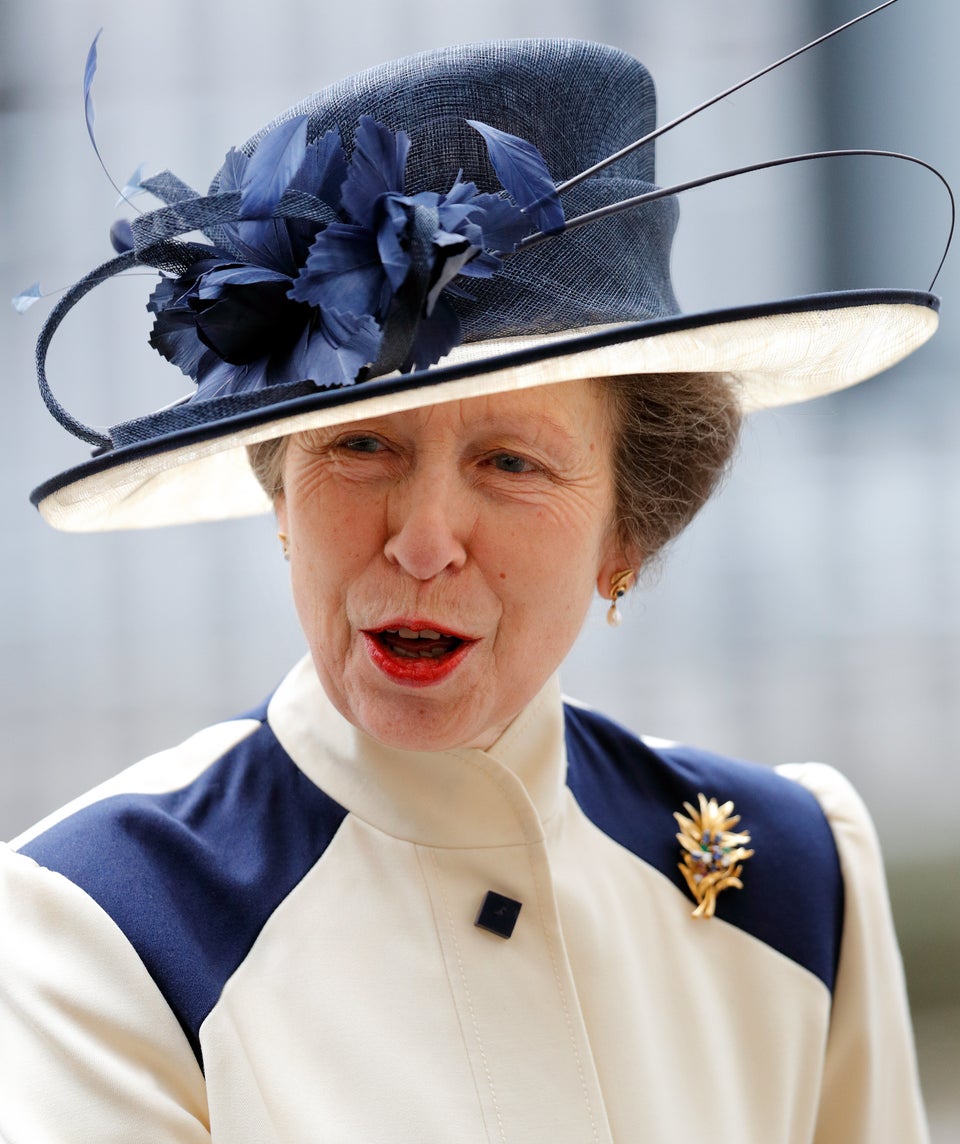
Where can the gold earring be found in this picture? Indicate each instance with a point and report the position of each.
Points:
(284, 544)
(619, 583)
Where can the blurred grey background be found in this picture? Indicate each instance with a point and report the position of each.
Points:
(813, 611)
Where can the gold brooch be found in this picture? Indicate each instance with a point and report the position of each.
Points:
(713, 855)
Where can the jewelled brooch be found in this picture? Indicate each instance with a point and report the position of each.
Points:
(712, 852)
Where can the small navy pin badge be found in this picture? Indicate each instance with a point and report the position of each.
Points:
(712, 854)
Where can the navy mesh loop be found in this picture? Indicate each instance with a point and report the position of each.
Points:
(50, 326)
(173, 257)
(168, 188)
(183, 217)
(208, 212)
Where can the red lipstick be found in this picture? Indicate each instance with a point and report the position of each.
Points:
(416, 652)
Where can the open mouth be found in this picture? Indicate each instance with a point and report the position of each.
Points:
(417, 656)
(409, 644)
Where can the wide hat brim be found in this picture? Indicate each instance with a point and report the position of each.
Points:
(776, 353)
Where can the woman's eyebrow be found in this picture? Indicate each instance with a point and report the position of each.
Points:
(502, 422)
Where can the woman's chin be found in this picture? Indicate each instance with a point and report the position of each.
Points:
(416, 723)
(447, 710)
(446, 699)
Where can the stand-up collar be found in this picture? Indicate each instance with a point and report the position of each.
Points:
(455, 798)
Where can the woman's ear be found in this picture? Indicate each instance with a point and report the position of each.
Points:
(614, 585)
(618, 570)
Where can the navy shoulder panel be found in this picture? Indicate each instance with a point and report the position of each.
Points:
(191, 876)
(792, 896)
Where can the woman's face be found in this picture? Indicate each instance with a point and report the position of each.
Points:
(443, 559)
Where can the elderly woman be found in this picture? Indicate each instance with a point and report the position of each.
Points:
(416, 897)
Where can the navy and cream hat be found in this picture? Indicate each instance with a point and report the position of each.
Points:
(426, 231)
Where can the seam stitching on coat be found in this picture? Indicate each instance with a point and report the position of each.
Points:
(466, 990)
(421, 854)
(544, 922)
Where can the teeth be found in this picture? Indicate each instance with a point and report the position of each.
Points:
(427, 653)
(440, 644)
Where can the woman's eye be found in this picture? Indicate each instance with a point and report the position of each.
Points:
(362, 444)
(511, 463)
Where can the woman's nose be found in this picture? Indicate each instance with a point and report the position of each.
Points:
(429, 520)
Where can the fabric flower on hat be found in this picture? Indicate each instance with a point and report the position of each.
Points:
(396, 240)
(227, 321)
(321, 267)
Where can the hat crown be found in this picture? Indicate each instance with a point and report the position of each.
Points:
(577, 102)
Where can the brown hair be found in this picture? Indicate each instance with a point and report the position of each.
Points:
(675, 434)
(266, 460)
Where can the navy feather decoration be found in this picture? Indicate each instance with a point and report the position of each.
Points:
(89, 71)
(272, 168)
(521, 169)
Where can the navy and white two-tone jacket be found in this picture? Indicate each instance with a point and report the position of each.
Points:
(268, 934)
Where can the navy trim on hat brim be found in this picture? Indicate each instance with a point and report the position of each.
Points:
(770, 364)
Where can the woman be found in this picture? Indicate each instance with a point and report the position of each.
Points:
(416, 897)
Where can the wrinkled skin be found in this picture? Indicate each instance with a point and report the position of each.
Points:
(488, 518)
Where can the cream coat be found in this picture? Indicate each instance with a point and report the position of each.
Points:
(365, 1005)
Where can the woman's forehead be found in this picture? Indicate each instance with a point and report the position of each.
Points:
(567, 406)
